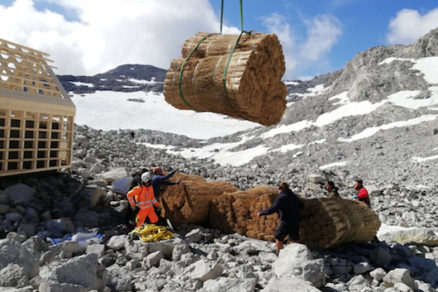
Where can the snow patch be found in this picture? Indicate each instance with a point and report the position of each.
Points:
(423, 159)
(373, 130)
(429, 67)
(392, 59)
(342, 98)
(110, 110)
(82, 84)
(332, 165)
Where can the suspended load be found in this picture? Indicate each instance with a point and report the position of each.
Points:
(239, 76)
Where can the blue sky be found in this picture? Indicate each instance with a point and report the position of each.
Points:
(91, 36)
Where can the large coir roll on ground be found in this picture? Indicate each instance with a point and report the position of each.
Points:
(253, 80)
(324, 222)
(189, 201)
(230, 212)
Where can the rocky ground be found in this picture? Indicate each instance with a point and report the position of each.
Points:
(80, 199)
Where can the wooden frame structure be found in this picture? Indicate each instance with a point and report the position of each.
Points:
(36, 113)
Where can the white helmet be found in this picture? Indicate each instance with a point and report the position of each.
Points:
(145, 176)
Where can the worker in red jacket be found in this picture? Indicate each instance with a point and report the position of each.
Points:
(361, 192)
(143, 197)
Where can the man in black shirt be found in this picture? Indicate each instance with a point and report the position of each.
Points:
(287, 205)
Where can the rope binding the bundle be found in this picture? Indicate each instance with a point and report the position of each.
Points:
(224, 78)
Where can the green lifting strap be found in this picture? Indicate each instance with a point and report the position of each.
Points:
(182, 68)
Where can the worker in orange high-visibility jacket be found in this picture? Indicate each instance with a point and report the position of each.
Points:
(143, 197)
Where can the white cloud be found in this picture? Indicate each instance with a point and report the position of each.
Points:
(409, 25)
(107, 33)
(322, 33)
(277, 24)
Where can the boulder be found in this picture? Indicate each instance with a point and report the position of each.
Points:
(13, 275)
(20, 194)
(90, 196)
(81, 273)
(116, 242)
(361, 268)
(118, 279)
(115, 174)
(399, 276)
(12, 252)
(279, 284)
(98, 249)
(378, 274)
(203, 271)
(229, 285)
(86, 218)
(59, 226)
(296, 260)
(153, 259)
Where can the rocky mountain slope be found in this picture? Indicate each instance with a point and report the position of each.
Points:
(125, 78)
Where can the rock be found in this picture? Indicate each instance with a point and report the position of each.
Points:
(27, 229)
(13, 217)
(229, 285)
(358, 284)
(425, 287)
(165, 246)
(399, 276)
(66, 249)
(203, 271)
(79, 273)
(179, 250)
(279, 284)
(296, 260)
(153, 259)
(4, 198)
(59, 226)
(378, 274)
(13, 275)
(116, 242)
(380, 256)
(36, 245)
(4, 209)
(316, 179)
(98, 249)
(362, 268)
(16, 237)
(20, 194)
(115, 174)
(118, 279)
(90, 196)
(195, 235)
(86, 218)
(403, 287)
(12, 252)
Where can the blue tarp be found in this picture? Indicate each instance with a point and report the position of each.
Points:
(121, 186)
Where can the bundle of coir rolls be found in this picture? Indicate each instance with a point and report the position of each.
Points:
(253, 88)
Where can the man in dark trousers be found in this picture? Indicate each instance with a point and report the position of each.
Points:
(287, 205)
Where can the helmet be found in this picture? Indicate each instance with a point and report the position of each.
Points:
(145, 176)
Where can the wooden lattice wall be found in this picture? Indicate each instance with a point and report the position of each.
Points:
(36, 114)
